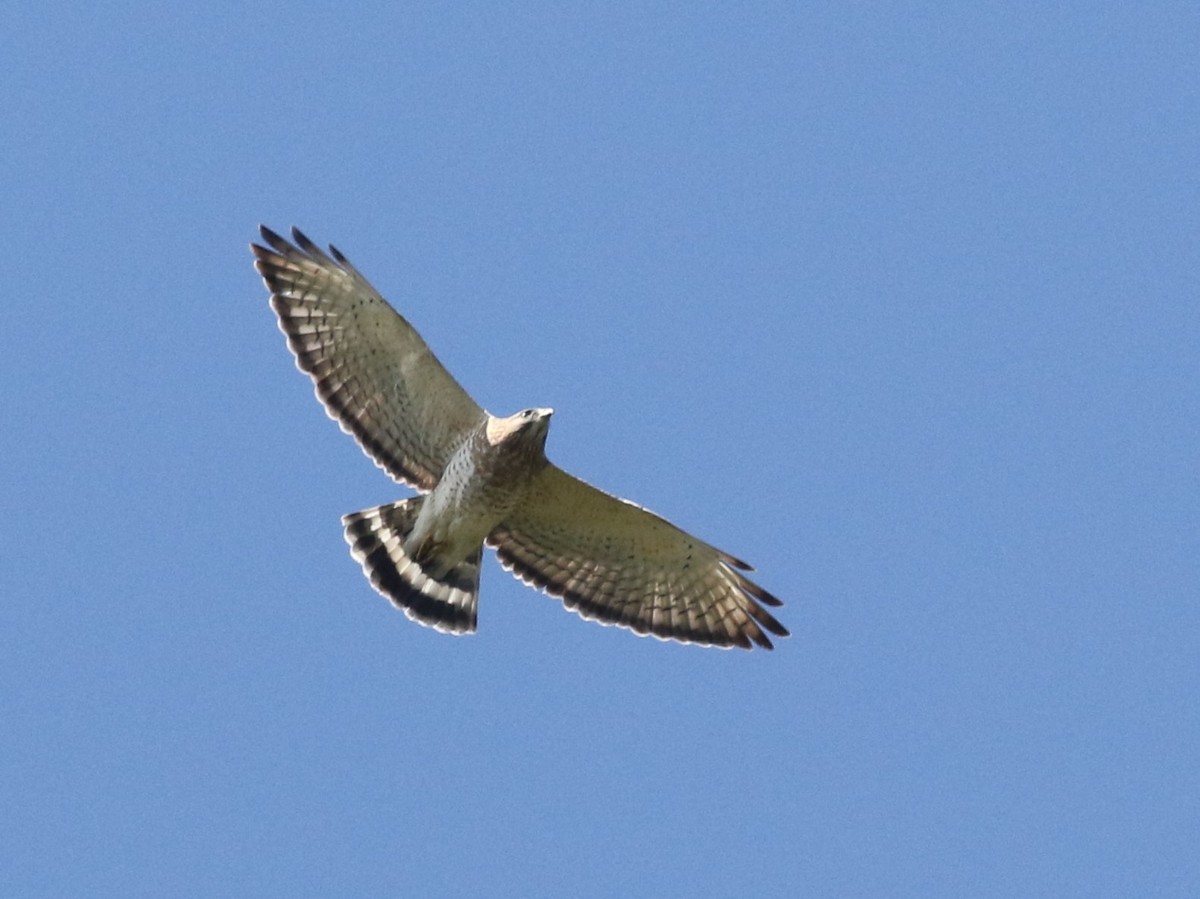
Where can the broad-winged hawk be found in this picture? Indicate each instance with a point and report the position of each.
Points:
(486, 480)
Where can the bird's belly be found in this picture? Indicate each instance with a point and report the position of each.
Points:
(462, 520)
(454, 520)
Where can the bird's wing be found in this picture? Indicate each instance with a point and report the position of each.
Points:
(617, 563)
(372, 371)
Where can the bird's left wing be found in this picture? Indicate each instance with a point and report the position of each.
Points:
(617, 563)
(370, 368)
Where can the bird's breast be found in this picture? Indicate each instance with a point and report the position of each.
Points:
(471, 498)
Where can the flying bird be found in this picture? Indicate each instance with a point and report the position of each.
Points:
(486, 480)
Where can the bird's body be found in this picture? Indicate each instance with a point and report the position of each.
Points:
(486, 479)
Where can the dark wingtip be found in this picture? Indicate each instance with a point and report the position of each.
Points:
(263, 256)
(302, 240)
(269, 235)
(282, 247)
(734, 561)
(748, 586)
(763, 640)
(277, 243)
(768, 598)
(770, 622)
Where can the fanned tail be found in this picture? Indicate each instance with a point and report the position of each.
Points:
(376, 537)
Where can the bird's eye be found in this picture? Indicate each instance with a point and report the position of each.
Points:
(528, 413)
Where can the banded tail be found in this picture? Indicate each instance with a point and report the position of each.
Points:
(376, 537)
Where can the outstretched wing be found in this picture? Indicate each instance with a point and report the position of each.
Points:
(616, 563)
(371, 370)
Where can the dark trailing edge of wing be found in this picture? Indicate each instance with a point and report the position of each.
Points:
(594, 610)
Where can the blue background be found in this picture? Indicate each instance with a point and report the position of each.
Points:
(899, 302)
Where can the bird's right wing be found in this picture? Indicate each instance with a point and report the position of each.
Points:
(617, 563)
(371, 369)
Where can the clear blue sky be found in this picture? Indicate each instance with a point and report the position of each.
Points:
(898, 302)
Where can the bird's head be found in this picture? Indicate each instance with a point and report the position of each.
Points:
(528, 427)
